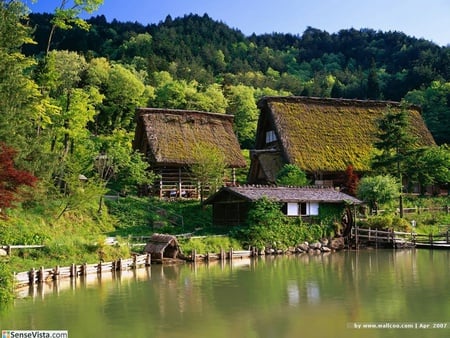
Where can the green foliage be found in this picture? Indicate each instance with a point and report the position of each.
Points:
(430, 166)
(210, 244)
(208, 167)
(242, 104)
(435, 103)
(269, 228)
(385, 222)
(377, 190)
(6, 286)
(395, 143)
(135, 216)
(291, 175)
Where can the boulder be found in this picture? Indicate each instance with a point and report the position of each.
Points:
(316, 246)
(3, 252)
(337, 243)
(303, 247)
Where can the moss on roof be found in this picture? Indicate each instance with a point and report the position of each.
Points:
(172, 135)
(329, 134)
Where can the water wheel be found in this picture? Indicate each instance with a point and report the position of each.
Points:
(347, 222)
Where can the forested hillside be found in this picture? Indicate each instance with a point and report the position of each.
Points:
(195, 54)
(69, 89)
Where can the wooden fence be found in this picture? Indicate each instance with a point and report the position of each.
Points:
(396, 239)
(44, 274)
(222, 255)
(436, 241)
(381, 238)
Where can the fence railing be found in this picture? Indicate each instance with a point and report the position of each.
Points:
(73, 271)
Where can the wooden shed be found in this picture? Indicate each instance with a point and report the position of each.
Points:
(322, 136)
(232, 204)
(170, 137)
(162, 246)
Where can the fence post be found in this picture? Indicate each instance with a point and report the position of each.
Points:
(41, 275)
(376, 238)
(148, 259)
(447, 236)
(231, 254)
(31, 276)
(56, 273)
(8, 250)
(73, 270)
(84, 269)
(134, 262)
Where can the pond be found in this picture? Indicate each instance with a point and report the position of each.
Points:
(333, 295)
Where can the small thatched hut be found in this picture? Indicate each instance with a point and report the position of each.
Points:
(169, 139)
(162, 246)
(322, 136)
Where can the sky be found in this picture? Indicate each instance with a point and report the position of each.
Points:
(428, 19)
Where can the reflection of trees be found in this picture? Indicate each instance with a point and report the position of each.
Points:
(271, 296)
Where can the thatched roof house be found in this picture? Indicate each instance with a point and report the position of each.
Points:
(231, 204)
(169, 138)
(321, 136)
(162, 246)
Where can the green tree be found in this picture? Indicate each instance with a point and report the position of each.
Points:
(242, 104)
(395, 145)
(66, 16)
(376, 190)
(430, 166)
(208, 167)
(291, 175)
(435, 103)
(124, 91)
(23, 111)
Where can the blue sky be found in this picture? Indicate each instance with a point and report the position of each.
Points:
(429, 19)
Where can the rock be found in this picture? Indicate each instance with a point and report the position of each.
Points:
(270, 251)
(337, 243)
(3, 252)
(324, 241)
(316, 245)
(303, 247)
(326, 249)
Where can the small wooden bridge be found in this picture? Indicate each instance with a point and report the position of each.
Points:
(362, 237)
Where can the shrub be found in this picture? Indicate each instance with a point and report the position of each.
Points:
(6, 286)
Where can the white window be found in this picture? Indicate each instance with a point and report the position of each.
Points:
(302, 209)
(292, 209)
(313, 209)
(271, 136)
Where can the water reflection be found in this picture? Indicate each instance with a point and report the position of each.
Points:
(270, 296)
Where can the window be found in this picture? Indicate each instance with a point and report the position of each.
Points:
(292, 209)
(271, 136)
(302, 209)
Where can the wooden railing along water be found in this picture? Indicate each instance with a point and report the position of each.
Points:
(397, 239)
(45, 274)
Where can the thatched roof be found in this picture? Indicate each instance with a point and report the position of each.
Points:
(327, 135)
(159, 242)
(283, 194)
(170, 136)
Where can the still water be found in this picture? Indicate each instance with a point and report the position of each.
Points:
(295, 296)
